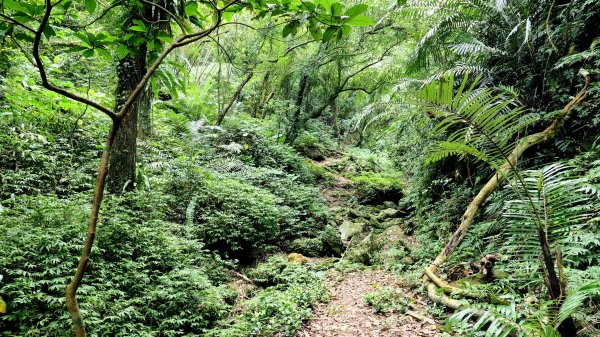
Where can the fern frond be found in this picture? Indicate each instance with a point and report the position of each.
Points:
(480, 122)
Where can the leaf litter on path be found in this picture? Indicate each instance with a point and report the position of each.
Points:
(347, 314)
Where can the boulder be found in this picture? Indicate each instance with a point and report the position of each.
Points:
(296, 258)
(389, 204)
(349, 229)
(388, 213)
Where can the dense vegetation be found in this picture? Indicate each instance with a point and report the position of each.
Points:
(194, 149)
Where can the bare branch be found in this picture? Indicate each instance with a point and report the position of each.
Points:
(40, 65)
(17, 23)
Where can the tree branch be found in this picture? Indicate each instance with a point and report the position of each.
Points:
(40, 65)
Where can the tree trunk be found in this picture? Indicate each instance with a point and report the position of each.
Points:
(121, 173)
(145, 115)
(556, 290)
(130, 71)
(494, 181)
(295, 126)
(233, 98)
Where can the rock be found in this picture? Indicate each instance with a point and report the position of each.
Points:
(389, 204)
(391, 237)
(408, 261)
(392, 222)
(354, 213)
(349, 229)
(373, 222)
(331, 241)
(297, 258)
(311, 247)
(388, 213)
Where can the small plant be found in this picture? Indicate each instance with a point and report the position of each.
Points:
(388, 300)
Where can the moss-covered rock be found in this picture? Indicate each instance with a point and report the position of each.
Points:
(312, 247)
(297, 258)
(332, 243)
(348, 229)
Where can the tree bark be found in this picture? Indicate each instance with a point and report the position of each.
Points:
(233, 98)
(130, 72)
(295, 126)
(145, 115)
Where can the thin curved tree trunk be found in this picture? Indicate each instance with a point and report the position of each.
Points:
(567, 328)
(72, 305)
(233, 98)
(492, 184)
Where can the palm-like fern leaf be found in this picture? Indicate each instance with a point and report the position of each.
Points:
(561, 204)
(480, 122)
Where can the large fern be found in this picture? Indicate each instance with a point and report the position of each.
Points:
(474, 121)
(519, 320)
(562, 205)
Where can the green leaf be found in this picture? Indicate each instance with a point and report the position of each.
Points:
(317, 34)
(191, 9)
(84, 38)
(138, 29)
(122, 51)
(88, 53)
(336, 9)
(346, 29)
(104, 53)
(329, 33)
(356, 10)
(90, 6)
(361, 21)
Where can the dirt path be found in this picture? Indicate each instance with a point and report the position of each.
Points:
(348, 315)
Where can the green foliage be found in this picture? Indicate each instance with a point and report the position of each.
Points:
(146, 276)
(388, 300)
(558, 197)
(233, 217)
(282, 306)
(518, 320)
(486, 122)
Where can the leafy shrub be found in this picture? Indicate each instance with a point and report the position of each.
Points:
(387, 300)
(145, 277)
(282, 306)
(233, 217)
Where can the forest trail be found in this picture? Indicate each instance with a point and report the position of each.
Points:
(347, 314)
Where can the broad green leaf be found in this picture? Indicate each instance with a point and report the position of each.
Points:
(361, 20)
(84, 38)
(336, 9)
(90, 6)
(329, 33)
(356, 10)
(317, 33)
(138, 29)
(346, 29)
(88, 53)
(191, 9)
(122, 51)
(104, 53)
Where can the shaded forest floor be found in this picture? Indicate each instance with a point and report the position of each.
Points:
(370, 301)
